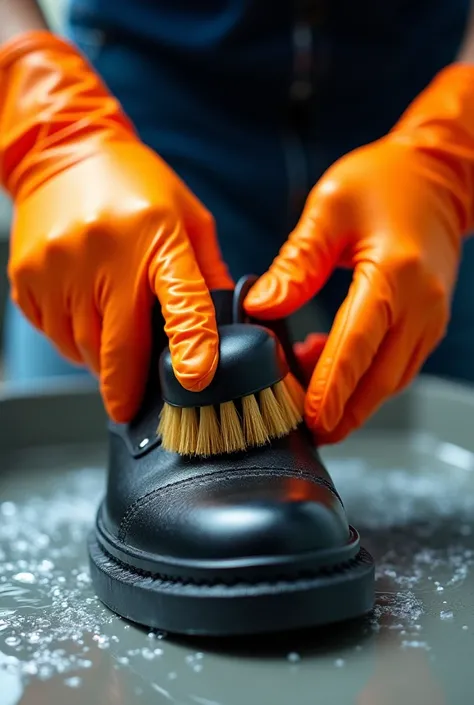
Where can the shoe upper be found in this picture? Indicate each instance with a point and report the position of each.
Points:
(268, 501)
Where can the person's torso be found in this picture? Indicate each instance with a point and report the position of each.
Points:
(251, 100)
(279, 52)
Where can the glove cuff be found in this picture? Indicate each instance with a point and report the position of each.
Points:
(54, 109)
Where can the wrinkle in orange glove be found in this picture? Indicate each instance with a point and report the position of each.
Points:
(102, 225)
(395, 211)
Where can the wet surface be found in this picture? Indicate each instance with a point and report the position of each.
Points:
(412, 499)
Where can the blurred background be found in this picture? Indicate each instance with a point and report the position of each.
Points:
(55, 10)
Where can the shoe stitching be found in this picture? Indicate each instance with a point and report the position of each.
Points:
(143, 501)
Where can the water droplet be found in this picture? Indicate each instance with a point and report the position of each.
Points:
(102, 641)
(123, 660)
(416, 645)
(20, 546)
(172, 675)
(73, 682)
(34, 638)
(147, 654)
(83, 578)
(25, 578)
(42, 541)
(293, 657)
(45, 672)
(12, 641)
(197, 667)
(446, 615)
(45, 566)
(339, 663)
(8, 509)
(465, 627)
(440, 588)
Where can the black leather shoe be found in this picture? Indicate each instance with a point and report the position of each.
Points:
(239, 544)
(245, 543)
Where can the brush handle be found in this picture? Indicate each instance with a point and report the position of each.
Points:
(279, 326)
(223, 300)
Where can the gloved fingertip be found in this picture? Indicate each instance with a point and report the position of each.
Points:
(321, 436)
(197, 373)
(260, 297)
(121, 409)
(335, 436)
(119, 413)
(194, 384)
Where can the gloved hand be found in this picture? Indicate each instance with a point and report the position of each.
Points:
(102, 225)
(395, 211)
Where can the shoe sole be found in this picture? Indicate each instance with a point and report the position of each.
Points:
(330, 595)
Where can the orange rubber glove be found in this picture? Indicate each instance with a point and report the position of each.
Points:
(395, 211)
(102, 225)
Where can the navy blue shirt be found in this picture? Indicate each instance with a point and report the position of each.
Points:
(274, 49)
(251, 100)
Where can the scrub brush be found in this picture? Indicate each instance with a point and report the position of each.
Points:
(252, 399)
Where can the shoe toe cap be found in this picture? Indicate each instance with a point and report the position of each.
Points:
(229, 516)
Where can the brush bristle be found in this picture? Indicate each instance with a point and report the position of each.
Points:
(169, 427)
(272, 415)
(231, 427)
(290, 411)
(203, 432)
(296, 391)
(255, 431)
(209, 441)
(189, 432)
